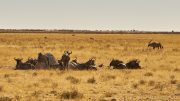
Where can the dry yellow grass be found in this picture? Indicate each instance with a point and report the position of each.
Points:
(159, 78)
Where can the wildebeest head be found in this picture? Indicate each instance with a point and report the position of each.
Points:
(40, 54)
(75, 60)
(91, 64)
(68, 52)
(91, 61)
(115, 62)
(18, 60)
(23, 66)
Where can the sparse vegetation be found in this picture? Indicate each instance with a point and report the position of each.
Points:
(151, 83)
(5, 98)
(73, 94)
(148, 74)
(135, 85)
(73, 80)
(108, 94)
(158, 78)
(91, 80)
(142, 82)
(1, 88)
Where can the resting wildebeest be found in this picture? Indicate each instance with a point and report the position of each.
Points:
(133, 64)
(45, 61)
(89, 65)
(117, 64)
(32, 61)
(51, 58)
(23, 66)
(65, 59)
(155, 45)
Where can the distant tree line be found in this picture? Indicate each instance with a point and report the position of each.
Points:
(84, 31)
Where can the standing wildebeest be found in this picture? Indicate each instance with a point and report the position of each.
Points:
(155, 45)
(133, 64)
(89, 65)
(23, 66)
(65, 59)
(117, 64)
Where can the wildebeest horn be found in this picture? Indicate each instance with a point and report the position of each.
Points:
(138, 61)
(94, 58)
(69, 52)
(65, 51)
(18, 58)
(150, 41)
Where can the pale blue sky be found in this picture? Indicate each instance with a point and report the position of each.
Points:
(152, 15)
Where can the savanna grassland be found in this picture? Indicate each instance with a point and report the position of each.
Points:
(159, 78)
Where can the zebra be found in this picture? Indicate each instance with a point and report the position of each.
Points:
(89, 65)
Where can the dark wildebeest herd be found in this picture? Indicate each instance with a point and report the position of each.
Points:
(48, 61)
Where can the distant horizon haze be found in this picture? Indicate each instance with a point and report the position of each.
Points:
(142, 15)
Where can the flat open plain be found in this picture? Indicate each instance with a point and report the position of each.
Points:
(159, 78)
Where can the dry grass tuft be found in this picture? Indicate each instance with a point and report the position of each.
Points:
(18, 98)
(36, 93)
(54, 85)
(151, 83)
(113, 99)
(108, 77)
(73, 94)
(173, 81)
(6, 75)
(135, 85)
(34, 74)
(51, 74)
(6, 98)
(109, 94)
(176, 69)
(178, 87)
(172, 77)
(45, 80)
(142, 82)
(9, 80)
(73, 80)
(36, 84)
(91, 80)
(148, 74)
(1, 88)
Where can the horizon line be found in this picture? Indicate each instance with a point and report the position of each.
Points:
(98, 30)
